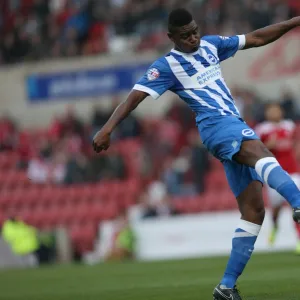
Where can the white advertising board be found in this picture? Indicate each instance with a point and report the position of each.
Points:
(200, 235)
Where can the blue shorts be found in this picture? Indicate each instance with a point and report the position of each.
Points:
(223, 137)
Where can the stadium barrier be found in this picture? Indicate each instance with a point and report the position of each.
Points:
(192, 236)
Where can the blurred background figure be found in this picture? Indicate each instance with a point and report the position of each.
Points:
(278, 134)
(156, 202)
(124, 240)
(23, 240)
(27, 243)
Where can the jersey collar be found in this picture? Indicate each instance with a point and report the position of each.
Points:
(182, 53)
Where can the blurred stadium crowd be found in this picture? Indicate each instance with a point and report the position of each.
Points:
(168, 149)
(35, 29)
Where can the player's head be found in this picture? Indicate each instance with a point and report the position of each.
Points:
(183, 31)
(274, 112)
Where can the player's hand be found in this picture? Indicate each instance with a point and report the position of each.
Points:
(101, 141)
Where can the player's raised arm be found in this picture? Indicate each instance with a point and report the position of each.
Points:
(269, 34)
(101, 140)
(157, 80)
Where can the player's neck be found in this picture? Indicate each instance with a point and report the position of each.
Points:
(176, 48)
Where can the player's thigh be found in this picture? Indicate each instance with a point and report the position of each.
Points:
(224, 136)
(274, 198)
(251, 151)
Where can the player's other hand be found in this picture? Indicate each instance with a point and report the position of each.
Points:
(101, 141)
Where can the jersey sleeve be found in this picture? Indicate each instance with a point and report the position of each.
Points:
(226, 46)
(157, 80)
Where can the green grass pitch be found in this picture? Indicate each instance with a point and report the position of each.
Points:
(268, 276)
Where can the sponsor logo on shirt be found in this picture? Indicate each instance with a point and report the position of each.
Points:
(248, 132)
(213, 73)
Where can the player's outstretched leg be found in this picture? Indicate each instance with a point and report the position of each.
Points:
(252, 209)
(254, 154)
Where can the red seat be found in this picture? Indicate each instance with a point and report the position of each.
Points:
(216, 164)
(96, 212)
(65, 215)
(227, 201)
(216, 181)
(4, 200)
(83, 236)
(8, 160)
(179, 204)
(110, 211)
(193, 205)
(210, 201)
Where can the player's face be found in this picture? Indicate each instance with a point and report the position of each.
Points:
(274, 113)
(186, 38)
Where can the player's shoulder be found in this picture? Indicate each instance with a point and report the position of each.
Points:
(162, 61)
(210, 40)
(161, 64)
(215, 40)
(265, 127)
(159, 68)
(288, 124)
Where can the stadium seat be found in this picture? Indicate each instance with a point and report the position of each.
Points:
(216, 164)
(216, 181)
(83, 236)
(227, 201)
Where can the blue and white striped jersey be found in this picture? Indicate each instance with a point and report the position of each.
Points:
(196, 77)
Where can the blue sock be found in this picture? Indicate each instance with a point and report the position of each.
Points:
(272, 173)
(242, 247)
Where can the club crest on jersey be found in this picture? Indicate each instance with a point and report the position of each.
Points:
(152, 74)
(212, 59)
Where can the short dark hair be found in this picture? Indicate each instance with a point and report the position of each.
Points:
(179, 17)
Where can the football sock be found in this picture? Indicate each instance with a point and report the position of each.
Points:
(272, 173)
(242, 247)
